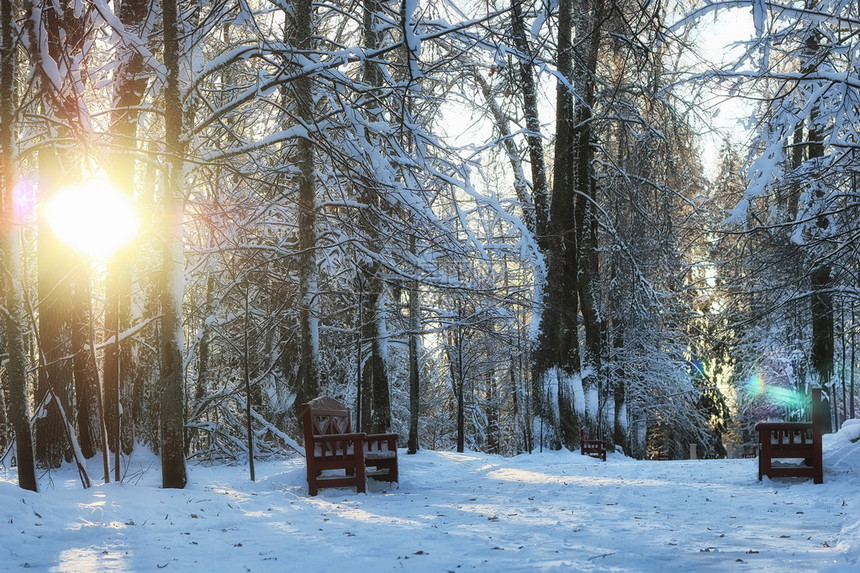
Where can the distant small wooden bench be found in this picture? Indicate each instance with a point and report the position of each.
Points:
(593, 448)
(792, 440)
(338, 457)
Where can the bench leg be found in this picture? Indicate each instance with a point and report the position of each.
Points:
(764, 459)
(361, 480)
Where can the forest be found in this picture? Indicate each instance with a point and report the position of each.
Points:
(482, 225)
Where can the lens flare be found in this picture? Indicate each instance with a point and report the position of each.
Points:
(774, 395)
(24, 199)
(755, 386)
(785, 397)
(93, 218)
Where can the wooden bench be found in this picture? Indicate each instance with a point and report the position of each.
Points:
(338, 457)
(593, 448)
(792, 440)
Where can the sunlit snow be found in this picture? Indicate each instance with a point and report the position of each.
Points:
(551, 511)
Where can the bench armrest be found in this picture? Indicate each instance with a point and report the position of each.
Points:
(381, 442)
(340, 437)
(783, 426)
(338, 444)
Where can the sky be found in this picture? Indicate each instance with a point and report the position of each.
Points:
(715, 37)
(550, 511)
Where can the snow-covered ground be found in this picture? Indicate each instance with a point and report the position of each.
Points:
(451, 512)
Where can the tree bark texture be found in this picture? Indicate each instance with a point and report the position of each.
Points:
(173, 470)
(822, 300)
(308, 378)
(56, 263)
(10, 253)
(587, 23)
(558, 344)
(66, 34)
(84, 365)
(540, 188)
(375, 371)
(130, 84)
(414, 359)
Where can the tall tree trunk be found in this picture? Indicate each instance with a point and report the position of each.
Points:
(411, 54)
(308, 378)
(129, 86)
(201, 385)
(458, 379)
(414, 358)
(375, 372)
(144, 377)
(10, 251)
(173, 470)
(587, 23)
(84, 364)
(55, 261)
(822, 300)
(492, 413)
(619, 394)
(65, 32)
(822, 328)
(541, 203)
(55, 266)
(540, 189)
(557, 360)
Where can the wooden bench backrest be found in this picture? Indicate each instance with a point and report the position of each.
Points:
(782, 440)
(324, 416)
(329, 417)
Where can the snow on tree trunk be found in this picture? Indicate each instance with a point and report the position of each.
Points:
(587, 24)
(56, 43)
(822, 297)
(130, 84)
(308, 383)
(558, 342)
(173, 470)
(375, 374)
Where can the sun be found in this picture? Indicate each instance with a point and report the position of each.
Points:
(93, 218)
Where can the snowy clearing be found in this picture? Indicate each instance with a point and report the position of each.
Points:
(451, 512)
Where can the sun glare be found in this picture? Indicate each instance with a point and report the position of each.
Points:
(93, 218)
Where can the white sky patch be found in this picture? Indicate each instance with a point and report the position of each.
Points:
(716, 37)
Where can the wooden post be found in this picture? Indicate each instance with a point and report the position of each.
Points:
(818, 463)
(763, 453)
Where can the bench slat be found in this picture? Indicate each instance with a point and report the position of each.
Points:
(784, 440)
(330, 444)
(593, 448)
